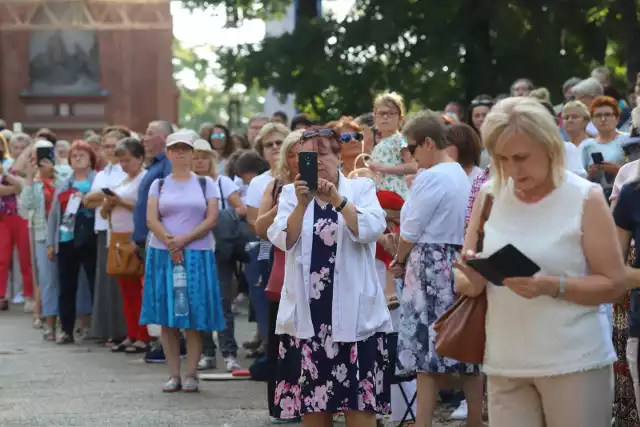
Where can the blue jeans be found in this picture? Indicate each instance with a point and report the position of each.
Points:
(253, 271)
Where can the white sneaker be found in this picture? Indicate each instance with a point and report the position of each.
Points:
(206, 363)
(461, 412)
(231, 363)
(18, 299)
(29, 305)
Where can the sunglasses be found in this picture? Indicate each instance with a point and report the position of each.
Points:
(347, 137)
(218, 136)
(412, 148)
(323, 133)
(485, 102)
(271, 144)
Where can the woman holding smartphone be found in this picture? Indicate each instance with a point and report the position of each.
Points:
(332, 316)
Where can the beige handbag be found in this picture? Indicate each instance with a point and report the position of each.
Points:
(362, 172)
(123, 261)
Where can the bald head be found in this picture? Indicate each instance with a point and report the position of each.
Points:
(155, 138)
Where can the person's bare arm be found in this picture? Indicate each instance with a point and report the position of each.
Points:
(606, 283)
(267, 212)
(93, 199)
(237, 204)
(407, 167)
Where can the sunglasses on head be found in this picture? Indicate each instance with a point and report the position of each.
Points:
(217, 135)
(485, 102)
(347, 137)
(323, 133)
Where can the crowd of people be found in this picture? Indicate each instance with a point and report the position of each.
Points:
(347, 270)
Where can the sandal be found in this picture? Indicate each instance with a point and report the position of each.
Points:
(172, 385)
(393, 302)
(136, 349)
(190, 384)
(49, 334)
(37, 323)
(120, 348)
(4, 304)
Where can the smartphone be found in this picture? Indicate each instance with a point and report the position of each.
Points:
(504, 263)
(308, 165)
(108, 192)
(597, 158)
(43, 153)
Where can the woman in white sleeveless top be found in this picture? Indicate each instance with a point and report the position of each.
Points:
(549, 354)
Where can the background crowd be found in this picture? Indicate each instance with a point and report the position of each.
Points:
(346, 280)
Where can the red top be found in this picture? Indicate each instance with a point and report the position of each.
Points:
(48, 189)
(392, 201)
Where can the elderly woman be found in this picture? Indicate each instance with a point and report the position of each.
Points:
(586, 91)
(602, 156)
(286, 173)
(562, 223)
(70, 236)
(332, 315)
(431, 237)
(205, 164)
(181, 280)
(576, 117)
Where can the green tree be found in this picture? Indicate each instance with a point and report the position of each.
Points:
(200, 102)
(432, 51)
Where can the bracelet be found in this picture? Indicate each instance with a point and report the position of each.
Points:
(342, 204)
(561, 287)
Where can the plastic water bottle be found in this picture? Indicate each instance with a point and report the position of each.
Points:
(180, 297)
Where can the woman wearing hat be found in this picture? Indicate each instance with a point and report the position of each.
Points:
(205, 163)
(181, 279)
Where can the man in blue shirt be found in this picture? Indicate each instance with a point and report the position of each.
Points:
(158, 166)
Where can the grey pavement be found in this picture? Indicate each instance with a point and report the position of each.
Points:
(43, 384)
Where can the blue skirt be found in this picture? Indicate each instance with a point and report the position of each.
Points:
(205, 307)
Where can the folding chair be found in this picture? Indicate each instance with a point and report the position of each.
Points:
(399, 380)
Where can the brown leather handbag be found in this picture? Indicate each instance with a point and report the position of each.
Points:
(123, 261)
(461, 330)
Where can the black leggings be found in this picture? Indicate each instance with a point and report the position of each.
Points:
(70, 259)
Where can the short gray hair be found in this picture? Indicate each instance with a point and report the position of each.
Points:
(588, 87)
(20, 137)
(570, 83)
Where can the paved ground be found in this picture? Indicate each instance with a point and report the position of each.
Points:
(42, 384)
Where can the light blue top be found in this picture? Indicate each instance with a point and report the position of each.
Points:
(84, 187)
(611, 152)
(435, 209)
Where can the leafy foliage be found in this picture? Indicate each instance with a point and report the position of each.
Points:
(201, 102)
(433, 51)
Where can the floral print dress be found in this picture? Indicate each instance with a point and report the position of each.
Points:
(389, 153)
(318, 374)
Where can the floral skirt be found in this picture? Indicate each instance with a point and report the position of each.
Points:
(203, 293)
(319, 375)
(427, 292)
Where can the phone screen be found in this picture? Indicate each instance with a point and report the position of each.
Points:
(597, 158)
(308, 165)
(45, 153)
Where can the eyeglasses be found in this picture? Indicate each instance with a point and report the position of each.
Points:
(323, 133)
(386, 114)
(603, 116)
(347, 137)
(271, 144)
(412, 148)
(218, 135)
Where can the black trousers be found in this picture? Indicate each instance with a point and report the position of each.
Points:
(273, 343)
(70, 259)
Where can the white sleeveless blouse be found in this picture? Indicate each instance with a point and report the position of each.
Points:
(543, 336)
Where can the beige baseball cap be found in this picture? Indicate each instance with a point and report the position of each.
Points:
(181, 137)
(202, 145)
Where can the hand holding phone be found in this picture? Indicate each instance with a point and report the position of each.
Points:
(308, 166)
(597, 158)
(108, 192)
(45, 153)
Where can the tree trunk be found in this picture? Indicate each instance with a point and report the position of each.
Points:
(631, 26)
(307, 9)
(478, 65)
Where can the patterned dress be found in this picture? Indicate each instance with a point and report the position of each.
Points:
(318, 374)
(389, 152)
(427, 292)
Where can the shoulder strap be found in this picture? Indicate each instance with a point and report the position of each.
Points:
(484, 216)
(203, 185)
(224, 205)
(160, 184)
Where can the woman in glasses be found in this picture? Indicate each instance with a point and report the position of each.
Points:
(221, 140)
(390, 159)
(603, 155)
(332, 316)
(352, 146)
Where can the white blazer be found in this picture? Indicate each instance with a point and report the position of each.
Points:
(359, 308)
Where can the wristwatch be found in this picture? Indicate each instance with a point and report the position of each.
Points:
(561, 287)
(342, 204)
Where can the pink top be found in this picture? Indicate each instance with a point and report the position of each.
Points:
(627, 173)
(182, 207)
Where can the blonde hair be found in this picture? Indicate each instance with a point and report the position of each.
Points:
(266, 130)
(529, 117)
(541, 94)
(292, 139)
(578, 105)
(214, 158)
(390, 99)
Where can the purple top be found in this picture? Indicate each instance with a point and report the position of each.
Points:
(182, 207)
